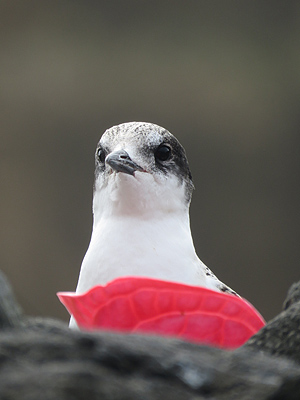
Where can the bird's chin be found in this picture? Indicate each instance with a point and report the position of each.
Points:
(125, 175)
(123, 189)
(144, 194)
(123, 180)
(140, 175)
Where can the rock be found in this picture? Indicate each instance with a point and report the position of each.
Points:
(10, 312)
(64, 364)
(43, 359)
(281, 336)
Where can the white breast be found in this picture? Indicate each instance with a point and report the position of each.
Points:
(127, 246)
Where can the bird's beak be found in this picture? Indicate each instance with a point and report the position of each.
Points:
(120, 161)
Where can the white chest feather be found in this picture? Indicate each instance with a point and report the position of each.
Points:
(141, 228)
(126, 246)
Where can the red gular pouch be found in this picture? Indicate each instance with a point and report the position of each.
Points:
(151, 306)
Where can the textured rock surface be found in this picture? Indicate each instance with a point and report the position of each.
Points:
(281, 336)
(43, 359)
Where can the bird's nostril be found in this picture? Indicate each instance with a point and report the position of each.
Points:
(124, 156)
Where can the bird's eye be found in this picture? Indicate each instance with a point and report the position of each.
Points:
(101, 155)
(163, 152)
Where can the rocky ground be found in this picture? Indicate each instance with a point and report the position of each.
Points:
(43, 359)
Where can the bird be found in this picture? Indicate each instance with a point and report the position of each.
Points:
(141, 226)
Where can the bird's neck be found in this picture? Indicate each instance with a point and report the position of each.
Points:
(159, 247)
(141, 196)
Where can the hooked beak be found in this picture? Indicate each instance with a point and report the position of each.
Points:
(120, 161)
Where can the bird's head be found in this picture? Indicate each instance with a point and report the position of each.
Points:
(141, 169)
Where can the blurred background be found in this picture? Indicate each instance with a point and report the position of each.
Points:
(222, 76)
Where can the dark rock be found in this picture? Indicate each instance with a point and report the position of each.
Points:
(281, 336)
(293, 296)
(43, 359)
(64, 364)
(10, 312)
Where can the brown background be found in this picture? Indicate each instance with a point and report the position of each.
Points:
(223, 76)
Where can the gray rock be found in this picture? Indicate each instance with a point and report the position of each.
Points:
(10, 312)
(43, 359)
(281, 336)
(64, 364)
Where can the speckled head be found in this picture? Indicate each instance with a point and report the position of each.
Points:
(137, 149)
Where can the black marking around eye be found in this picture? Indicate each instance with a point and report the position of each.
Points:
(177, 164)
(163, 153)
(101, 154)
